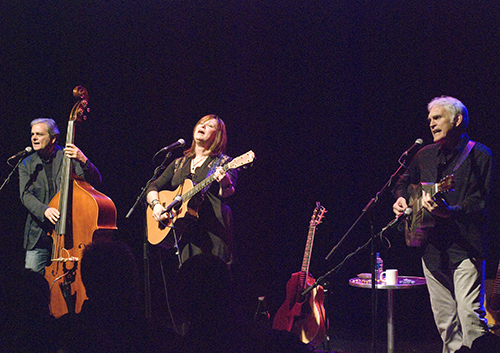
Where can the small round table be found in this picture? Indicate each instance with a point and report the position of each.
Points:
(404, 282)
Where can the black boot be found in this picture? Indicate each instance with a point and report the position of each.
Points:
(488, 343)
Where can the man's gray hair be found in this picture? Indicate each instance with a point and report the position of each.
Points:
(452, 105)
(51, 125)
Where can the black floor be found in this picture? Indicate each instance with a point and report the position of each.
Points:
(351, 345)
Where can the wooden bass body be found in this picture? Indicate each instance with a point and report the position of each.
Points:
(91, 217)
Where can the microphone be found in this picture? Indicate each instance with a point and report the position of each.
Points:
(177, 202)
(398, 219)
(21, 153)
(416, 145)
(178, 143)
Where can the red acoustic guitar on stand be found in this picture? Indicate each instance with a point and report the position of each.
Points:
(304, 315)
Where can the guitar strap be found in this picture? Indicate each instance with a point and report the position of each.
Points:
(465, 153)
(221, 159)
(179, 163)
(416, 239)
(216, 162)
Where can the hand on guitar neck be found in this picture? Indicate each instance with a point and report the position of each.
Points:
(436, 206)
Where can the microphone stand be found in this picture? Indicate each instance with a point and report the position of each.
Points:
(145, 251)
(368, 210)
(10, 174)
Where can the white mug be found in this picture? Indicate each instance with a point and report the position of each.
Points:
(390, 277)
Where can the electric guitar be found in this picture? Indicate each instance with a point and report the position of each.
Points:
(160, 232)
(418, 225)
(304, 316)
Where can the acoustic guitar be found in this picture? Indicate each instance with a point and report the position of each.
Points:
(417, 226)
(161, 232)
(304, 315)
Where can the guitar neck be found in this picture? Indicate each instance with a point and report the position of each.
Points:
(445, 185)
(434, 190)
(307, 255)
(60, 227)
(204, 183)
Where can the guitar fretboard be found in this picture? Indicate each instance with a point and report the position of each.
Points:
(207, 181)
(318, 213)
(307, 255)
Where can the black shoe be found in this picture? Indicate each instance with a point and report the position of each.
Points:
(487, 343)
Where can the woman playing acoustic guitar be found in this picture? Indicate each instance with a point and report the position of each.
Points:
(203, 223)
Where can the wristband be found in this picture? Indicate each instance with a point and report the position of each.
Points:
(154, 203)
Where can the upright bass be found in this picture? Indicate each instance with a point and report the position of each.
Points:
(85, 216)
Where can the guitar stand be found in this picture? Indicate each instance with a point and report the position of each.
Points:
(336, 269)
(326, 341)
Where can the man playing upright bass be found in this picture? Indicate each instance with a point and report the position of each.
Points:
(39, 181)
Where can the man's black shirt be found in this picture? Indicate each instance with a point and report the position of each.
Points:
(464, 234)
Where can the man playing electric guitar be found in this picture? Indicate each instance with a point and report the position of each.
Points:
(208, 218)
(454, 251)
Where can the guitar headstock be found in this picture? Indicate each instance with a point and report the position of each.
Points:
(241, 160)
(446, 184)
(318, 213)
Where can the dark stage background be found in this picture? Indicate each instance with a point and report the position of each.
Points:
(328, 94)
